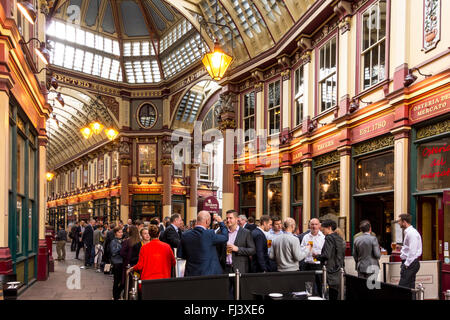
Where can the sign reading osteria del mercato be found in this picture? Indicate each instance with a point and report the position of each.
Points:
(430, 107)
(433, 165)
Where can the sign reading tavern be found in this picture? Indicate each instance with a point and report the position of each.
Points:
(430, 107)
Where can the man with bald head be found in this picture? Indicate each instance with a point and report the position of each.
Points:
(198, 246)
(286, 249)
(316, 240)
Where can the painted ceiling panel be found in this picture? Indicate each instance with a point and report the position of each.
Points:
(163, 9)
(108, 20)
(160, 24)
(92, 12)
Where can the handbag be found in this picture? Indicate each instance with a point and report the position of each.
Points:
(107, 268)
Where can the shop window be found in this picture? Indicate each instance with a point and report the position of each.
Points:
(433, 165)
(274, 197)
(299, 90)
(373, 52)
(328, 193)
(31, 173)
(147, 159)
(249, 116)
(101, 170)
(274, 107)
(328, 75)
(248, 194)
(20, 164)
(298, 187)
(375, 173)
(85, 175)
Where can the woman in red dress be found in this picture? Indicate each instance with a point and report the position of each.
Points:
(156, 258)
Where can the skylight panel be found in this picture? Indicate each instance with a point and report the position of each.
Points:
(79, 56)
(106, 67)
(108, 45)
(51, 30)
(80, 37)
(145, 48)
(97, 65)
(70, 32)
(60, 30)
(136, 48)
(116, 48)
(59, 54)
(98, 42)
(68, 58)
(88, 59)
(90, 42)
(127, 49)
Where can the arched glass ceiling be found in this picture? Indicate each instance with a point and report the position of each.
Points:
(192, 101)
(65, 139)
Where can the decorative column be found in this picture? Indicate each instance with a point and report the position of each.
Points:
(259, 180)
(286, 193)
(307, 208)
(227, 127)
(345, 186)
(167, 165)
(401, 169)
(193, 169)
(43, 250)
(5, 253)
(125, 162)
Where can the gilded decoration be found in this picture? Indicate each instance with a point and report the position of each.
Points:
(374, 144)
(328, 158)
(227, 124)
(278, 174)
(166, 162)
(248, 177)
(434, 129)
(297, 169)
(431, 24)
(111, 104)
(259, 87)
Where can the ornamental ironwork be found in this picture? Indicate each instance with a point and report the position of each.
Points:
(434, 129)
(374, 145)
(326, 159)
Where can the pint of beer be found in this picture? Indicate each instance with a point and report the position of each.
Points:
(229, 250)
(269, 243)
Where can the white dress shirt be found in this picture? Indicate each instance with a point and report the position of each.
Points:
(412, 246)
(318, 242)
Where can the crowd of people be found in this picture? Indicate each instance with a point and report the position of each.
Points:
(213, 246)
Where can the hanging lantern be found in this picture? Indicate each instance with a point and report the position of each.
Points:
(28, 11)
(96, 127)
(86, 132)
(111, 133)
(49, 175)
(217, 62)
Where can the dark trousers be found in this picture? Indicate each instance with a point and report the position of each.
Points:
(333, 293)
(408, 275)
(74, 244)
(229, 269)
(117, 285)
(88, 254)
(317, 289)
(79, 246)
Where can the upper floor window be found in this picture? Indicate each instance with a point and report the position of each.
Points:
(249, 116)
(328, 75)
(205, 166)
(107, 167)
(299, 89)
(147, 159)
(101, 170)
(73, 180)
(274, 108)
(115, 165)
(373, 51)
(178, 165)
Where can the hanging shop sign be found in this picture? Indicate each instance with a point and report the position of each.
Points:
(430, 107)
(210, 204)
(372, 128)
(297, 154)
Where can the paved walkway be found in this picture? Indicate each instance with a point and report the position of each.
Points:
(93, 285)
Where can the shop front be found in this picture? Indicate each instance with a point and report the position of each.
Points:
(297, 194)
(247, 195)
(273, 194)
(373, 188)
(146, 207)
(101, 210)
(179, 205)
(326, 186)
(431, 190)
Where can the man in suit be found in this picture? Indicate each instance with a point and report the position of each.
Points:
(88, 240)
(197, 246)
(79, 234)
(240, 246)
(172, 234)
(243, 221)
(261, 261)
(366, 251)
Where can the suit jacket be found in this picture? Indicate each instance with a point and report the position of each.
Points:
(171, 237)
(260, 261)
(198, 247)
(241, 259)
(366, 252)
(88, 236)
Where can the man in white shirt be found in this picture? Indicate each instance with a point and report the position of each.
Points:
(316, 240)
(410, 253)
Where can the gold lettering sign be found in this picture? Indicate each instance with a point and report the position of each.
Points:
(433, 106)
(373, 127)
(325, 145)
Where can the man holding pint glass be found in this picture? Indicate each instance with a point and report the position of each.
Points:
(315, 239)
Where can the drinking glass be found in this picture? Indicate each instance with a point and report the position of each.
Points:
(309, 288)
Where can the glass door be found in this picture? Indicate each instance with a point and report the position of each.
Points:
(427, 226)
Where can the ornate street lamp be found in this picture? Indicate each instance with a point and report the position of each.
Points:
(28, 11)
(217, 62)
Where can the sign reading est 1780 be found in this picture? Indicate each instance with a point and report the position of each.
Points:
(430, 107)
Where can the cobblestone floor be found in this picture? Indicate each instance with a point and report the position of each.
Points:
(93, 285)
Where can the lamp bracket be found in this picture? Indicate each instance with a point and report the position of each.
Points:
(418, 71)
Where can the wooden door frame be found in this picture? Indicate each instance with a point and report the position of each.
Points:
(434, 235)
